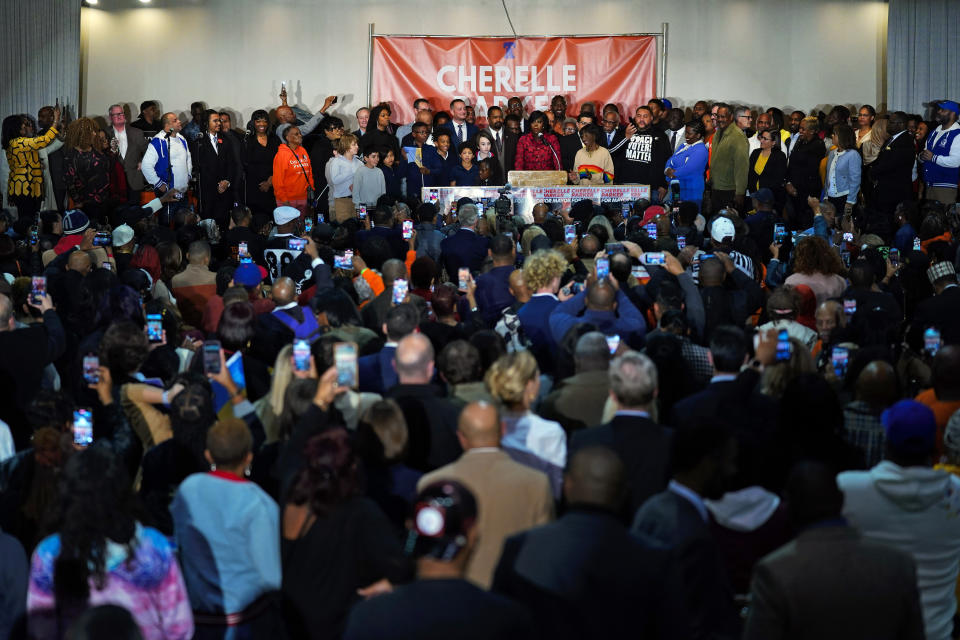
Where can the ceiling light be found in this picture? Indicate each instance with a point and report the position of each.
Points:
(93, 3)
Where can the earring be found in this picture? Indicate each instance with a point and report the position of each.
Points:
(213, 467)
(246, 472)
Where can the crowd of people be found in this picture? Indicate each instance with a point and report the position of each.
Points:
(254, 386)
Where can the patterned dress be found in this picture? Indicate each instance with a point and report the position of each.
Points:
(149, 586)
(26, 173)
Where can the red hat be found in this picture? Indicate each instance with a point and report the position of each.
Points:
(652, 212)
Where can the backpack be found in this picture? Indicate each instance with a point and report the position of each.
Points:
(308, 330)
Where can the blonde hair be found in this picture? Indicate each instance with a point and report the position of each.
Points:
(81, 133)
(542, 267)
(507, 378)
(343, 144)
(527, 238)
(777, 376)
(386, 420)
(282, 375)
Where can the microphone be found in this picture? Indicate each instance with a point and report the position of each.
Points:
(540, 137)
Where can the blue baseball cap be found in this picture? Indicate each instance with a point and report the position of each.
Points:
(666, 104)
(910, 427)
(763, 195)
(950, 105)
(248, 274)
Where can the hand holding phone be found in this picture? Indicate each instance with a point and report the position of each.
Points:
(400, 291)
(407, 229)
(83, 427)
(301, 355)
(603, 268)
(211, 356)
(345, 360)
(464, 278)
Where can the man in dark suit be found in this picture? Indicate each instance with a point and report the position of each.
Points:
(643, 445)
(130, 146)
(704, 458)
(504, 142)
(216, 166)
(376, 371)
(459, 128)
(892, 171)
(943, 309)
(465, 248)
(829, 582)
(431, 417)
(584, 576)
(615, 136)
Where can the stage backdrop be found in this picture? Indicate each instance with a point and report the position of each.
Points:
(488, 71)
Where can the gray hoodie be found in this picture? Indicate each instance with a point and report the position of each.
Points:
(916, 510)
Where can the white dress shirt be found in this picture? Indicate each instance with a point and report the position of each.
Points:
(121, 136)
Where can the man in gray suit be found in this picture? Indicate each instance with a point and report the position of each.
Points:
(129, 145)
(829, 582)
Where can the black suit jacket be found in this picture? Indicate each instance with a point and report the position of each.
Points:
(463, 249)
(432, 423)
(215, 165)
(892, 173)
(773, 177)
(673, 521)
(643, 445)
(569, 146)
(803, 170)
(585, 576)
(508, 155)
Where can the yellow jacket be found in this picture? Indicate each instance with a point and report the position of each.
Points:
(26, 174)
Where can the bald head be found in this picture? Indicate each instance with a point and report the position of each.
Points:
(79, 261)
(877, 385)
(284, 291)
(589, 245)
(518, 286)
(594, 477)
(413, 359)
(711, 273)
(393, 270)
(479, 426)
(601, 297)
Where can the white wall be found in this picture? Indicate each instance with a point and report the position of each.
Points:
(233, 53)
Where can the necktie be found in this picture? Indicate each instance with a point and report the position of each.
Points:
(460, 132)
(609, 139)
(213, 143)
(496, 139)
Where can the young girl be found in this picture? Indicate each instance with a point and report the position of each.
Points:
(392, 174)
(489, 173)
(465, 174)
(484, 146)
(368, 181)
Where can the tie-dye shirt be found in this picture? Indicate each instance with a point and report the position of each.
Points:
(150, 587)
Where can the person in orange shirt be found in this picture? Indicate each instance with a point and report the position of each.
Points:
(944, 398)
(292, 175)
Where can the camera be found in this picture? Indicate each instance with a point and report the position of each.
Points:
(503, 206)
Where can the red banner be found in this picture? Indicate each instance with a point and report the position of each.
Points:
(488, 71)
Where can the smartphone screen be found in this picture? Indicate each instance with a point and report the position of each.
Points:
(848, 237)
(242, 251)
(625, 209)
(344, 261)
(296, 244)
(345, 359)
(849, 307)
(839, 359)
(362, 212)
(651, 230)
(613, 247)
(654, 257)
(783, 346)
(407, 229)
(613, 343)
(34, 236)
(916, 244)
(779, 233)
(154, 327)
(307, 225)
(211, 356)
(931, 341)
(638, 272)
(102, 239)
(845, 258)
(569, 233)
(301, 355)
(38, 289)
(464, 278)
(681, 242)
(400, 290)
(603, 268)
(91, 369)
(83, 427)
(106, 265)
(894, 256)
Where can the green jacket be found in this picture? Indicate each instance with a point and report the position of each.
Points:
(729, 159)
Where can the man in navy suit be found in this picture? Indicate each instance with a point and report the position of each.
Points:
(615, 136)
(704, 458)
(541, 273)
(584, 575)
(214, 160)
(458, 125)
(643, 445)
(465, 248)
(892, 171)
(377, 374)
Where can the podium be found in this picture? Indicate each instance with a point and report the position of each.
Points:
(537, 178)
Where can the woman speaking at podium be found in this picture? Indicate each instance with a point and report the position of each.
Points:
(539, 149)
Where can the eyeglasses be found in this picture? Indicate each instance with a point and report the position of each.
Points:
(116, 115)
(611, 122)
(746, 116)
